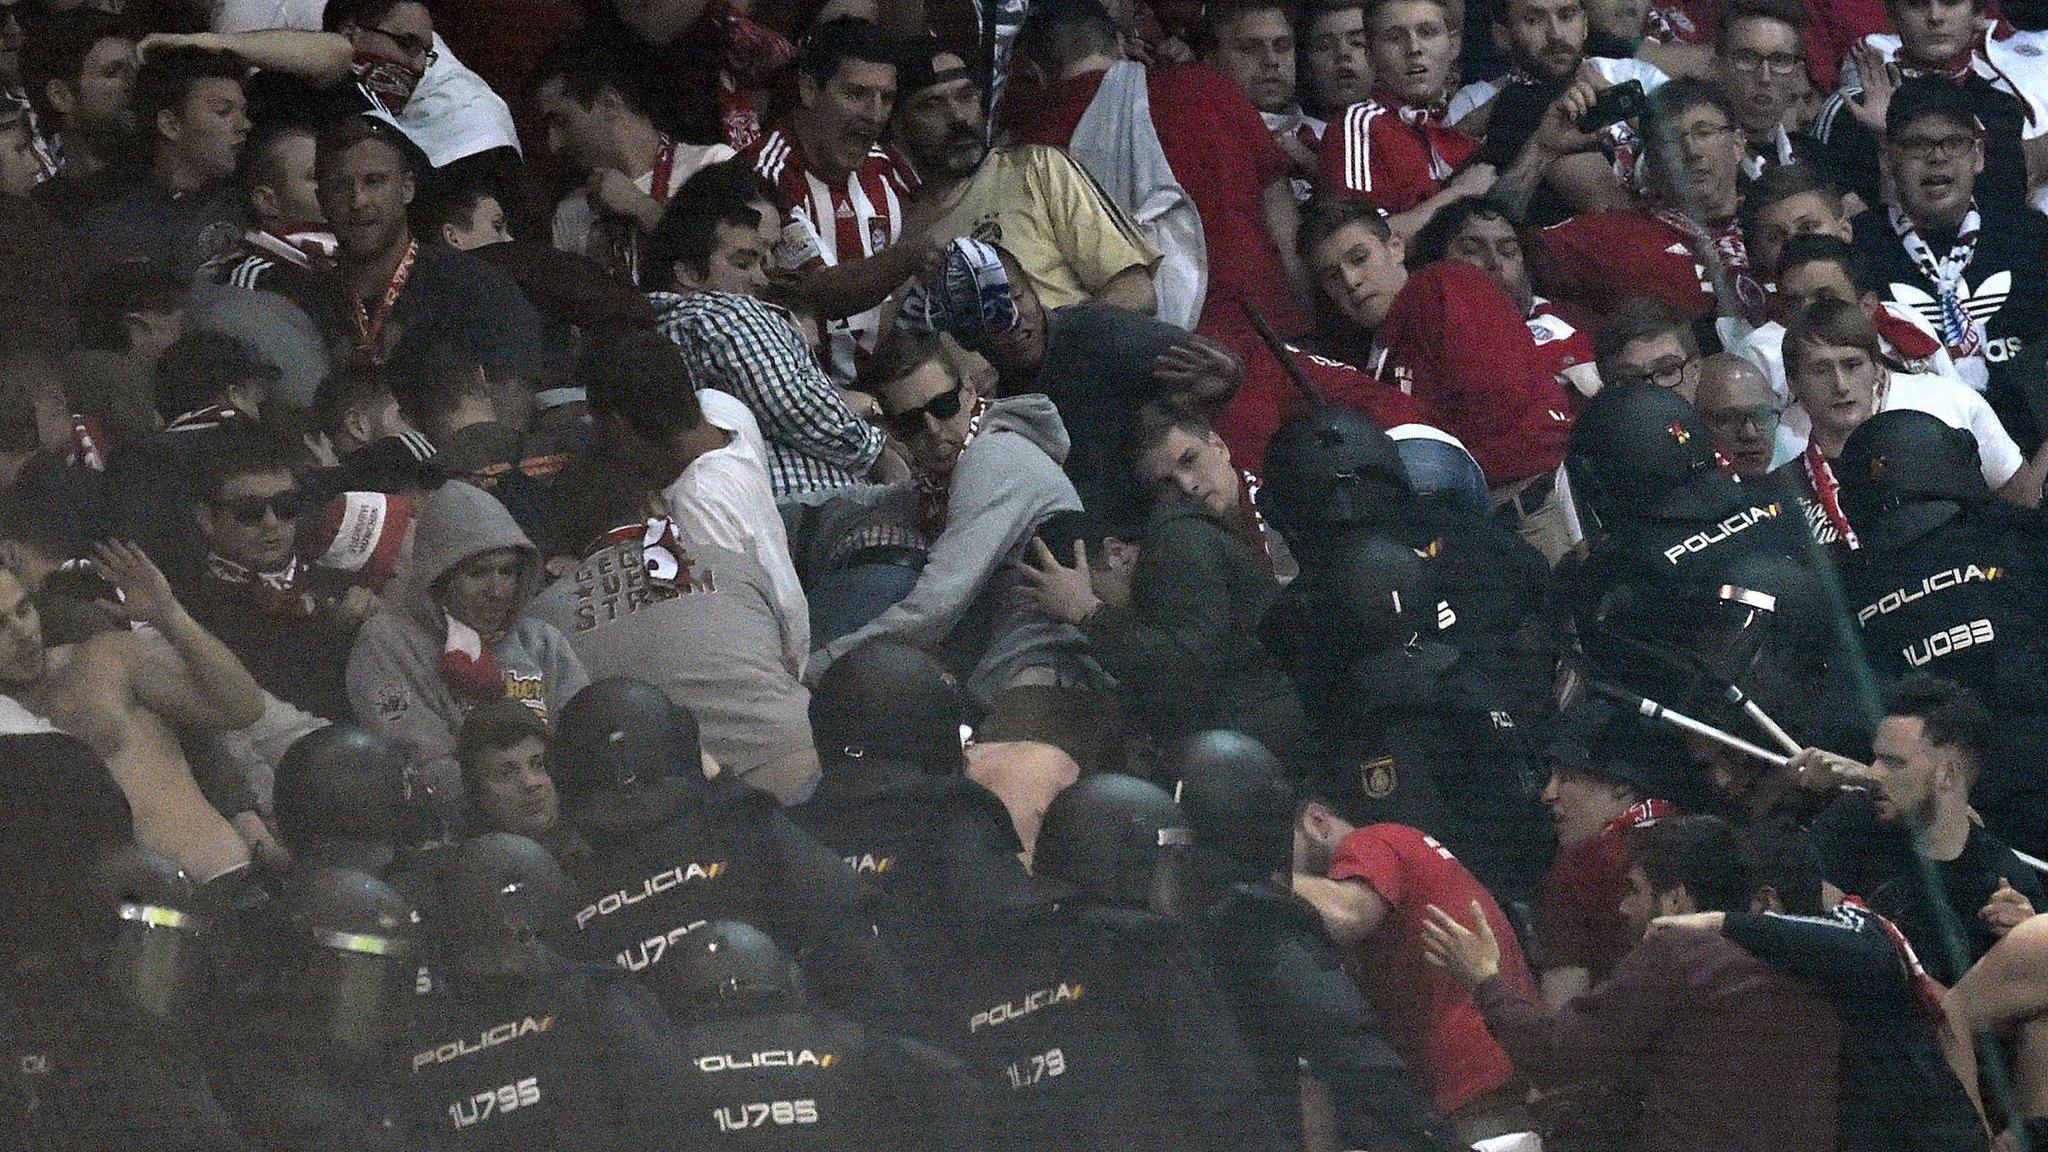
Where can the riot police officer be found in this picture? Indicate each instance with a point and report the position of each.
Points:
(1331, 475)
(671, 850)
(1417, 735)
(1294, 1001)
(302, 1060)
(1092, 1014)
(764, 1070)
(86, 1060)
(893, 804)
(346, 797)
(1655, 501)
(527, 1051)
(1947, 582)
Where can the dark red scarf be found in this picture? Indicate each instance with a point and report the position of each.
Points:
(935, 488)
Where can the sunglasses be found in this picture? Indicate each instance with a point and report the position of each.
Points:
(250, 509)
(910, 421)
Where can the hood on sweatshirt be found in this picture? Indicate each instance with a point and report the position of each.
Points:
(459, 523)
(1033, 417)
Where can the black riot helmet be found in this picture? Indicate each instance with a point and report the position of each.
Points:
(1116, 838)
(356, 940)
(503, 896)
(343, 785)
(1374, 592)
(1640, 452)
(1237, 800)
(624, 755)
(159, 953)
(1906, 473)
(727, 968)
(891, 701)
(1326, 471)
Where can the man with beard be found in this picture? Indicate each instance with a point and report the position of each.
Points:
(395, 291)
(1686, 247)
(1956, 250)
(1074, 245)
(1546, 43)
(1964, 889)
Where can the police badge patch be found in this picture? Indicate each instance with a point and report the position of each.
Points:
(392, 701)
(1377, 778)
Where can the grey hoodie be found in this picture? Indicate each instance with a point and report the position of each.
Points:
(1006, 482)
(394, 671)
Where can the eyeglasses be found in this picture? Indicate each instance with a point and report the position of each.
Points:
(410, 44)
(1730, 420)
(1664, 373)
(249, 510)
(1701, 135)
(1776, 64)
(1937, 148)
(910, 421)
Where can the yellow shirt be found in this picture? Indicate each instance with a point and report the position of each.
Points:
(1045, 211)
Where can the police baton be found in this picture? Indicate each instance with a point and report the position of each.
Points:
(1681, 721)
(1282, 353)
(1731, 691)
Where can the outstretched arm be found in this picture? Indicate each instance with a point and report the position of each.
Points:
(206, 686)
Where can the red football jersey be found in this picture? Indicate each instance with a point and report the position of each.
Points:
(1564, 346)
(1454, 340)
(1431, 1019)
(1597, 260)
(1267, 398)
(1380, 150)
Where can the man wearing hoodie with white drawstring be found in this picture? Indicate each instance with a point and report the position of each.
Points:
(985, 474)
(453, 634)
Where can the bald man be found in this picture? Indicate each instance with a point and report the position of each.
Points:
(1740, 411)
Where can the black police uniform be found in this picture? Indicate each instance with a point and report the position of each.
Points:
(1951, 584)
(85, 1071)
(288, 1089)
(1297, 1007)
(817, 1081)
(939, 850)
(571, 1058)
(1102, 1028)
(731, 853)
(1416, 734)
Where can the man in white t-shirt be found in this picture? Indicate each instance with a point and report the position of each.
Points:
(710, 448)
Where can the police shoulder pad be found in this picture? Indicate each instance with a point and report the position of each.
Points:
(1134, 924)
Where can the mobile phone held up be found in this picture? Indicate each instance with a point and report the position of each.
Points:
(1623, 101)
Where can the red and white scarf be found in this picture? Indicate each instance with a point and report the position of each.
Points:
(1726, 245)
(753, 56)
(1827, 492)
(1927, 992)
(1427, 122)
(280, 593)
(467, 666)
(1959, 330)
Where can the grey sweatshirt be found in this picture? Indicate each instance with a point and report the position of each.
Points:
(1006, 482)
(394, 671)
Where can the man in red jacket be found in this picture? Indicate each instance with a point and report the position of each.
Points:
(1449, 336)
